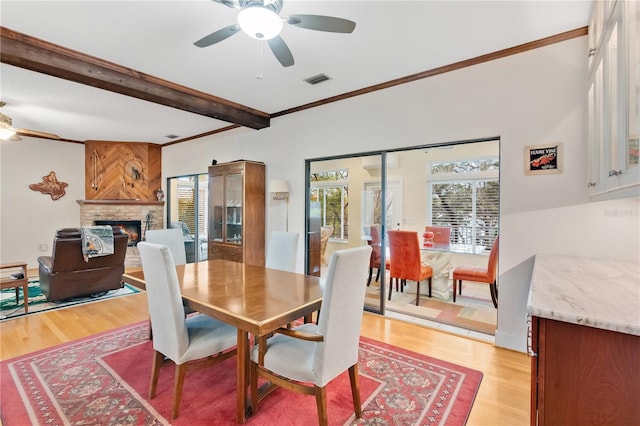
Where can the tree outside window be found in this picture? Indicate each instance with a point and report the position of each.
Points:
(331, 190)
(465, 196)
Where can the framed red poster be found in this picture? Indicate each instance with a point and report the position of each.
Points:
(543, 159)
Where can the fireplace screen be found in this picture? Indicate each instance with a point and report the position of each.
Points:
(133, 228)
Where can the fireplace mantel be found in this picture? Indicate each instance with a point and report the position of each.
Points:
(122, 202)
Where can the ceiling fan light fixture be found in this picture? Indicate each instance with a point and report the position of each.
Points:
(6, 130)
(260, 23)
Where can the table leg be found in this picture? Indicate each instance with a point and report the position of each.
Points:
(25, 296)
(242, 376)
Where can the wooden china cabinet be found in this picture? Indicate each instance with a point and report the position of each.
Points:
(237, 212)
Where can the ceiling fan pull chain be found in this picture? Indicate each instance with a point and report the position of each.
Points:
(259, 61)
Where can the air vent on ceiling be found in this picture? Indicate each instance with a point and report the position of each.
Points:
(317, 79)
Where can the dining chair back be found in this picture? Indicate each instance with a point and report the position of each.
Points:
(171, 238)
(185, 341)
(317, 353)
(376, 253)
(487, 275)
(441, 234)
(325, 234)
(282, 251)
(406, 262)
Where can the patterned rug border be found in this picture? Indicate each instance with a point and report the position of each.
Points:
(69, 303)
(409, 358)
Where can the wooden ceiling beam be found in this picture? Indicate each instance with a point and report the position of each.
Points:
(37, 55)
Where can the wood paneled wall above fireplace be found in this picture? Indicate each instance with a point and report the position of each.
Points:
(122, 170)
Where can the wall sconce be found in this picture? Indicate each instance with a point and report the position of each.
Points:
(280, 190)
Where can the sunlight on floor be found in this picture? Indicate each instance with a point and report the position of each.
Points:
(475, 301)
(472, 315)
(442, 327)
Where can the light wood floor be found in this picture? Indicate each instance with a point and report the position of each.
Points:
(503, 398)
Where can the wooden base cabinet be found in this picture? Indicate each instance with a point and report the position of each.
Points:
(237, 212)
(583, 375)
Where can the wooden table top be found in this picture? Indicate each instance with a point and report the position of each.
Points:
(252, 298)
(7, 281)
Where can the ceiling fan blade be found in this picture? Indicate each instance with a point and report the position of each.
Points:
(281, 51)
(322, 23)
(217, 36)
(230, 3)
(37, 134)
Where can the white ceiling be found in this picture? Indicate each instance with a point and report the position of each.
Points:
(392, 39)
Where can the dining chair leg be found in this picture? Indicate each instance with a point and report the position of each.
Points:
(417, 293)
(177, 389)
(370, 276)
(321, 403)
(494, 294)
(355, 390)
(158, 359)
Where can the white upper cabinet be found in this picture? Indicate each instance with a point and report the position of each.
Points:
(614, 99)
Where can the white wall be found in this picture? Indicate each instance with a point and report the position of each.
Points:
(536, 97)
(29, 218)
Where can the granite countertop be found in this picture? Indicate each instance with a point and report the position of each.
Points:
(592, 292)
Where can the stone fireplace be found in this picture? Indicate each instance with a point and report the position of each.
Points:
(133, 229)
(149, 213)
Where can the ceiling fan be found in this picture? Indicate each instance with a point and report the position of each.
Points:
(260, 19)
(8, 132)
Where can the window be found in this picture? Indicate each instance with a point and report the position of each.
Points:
(331, 190)
(465, 196)
(373, 203)
(188, 209)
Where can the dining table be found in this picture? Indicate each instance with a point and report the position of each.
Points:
(254, 299)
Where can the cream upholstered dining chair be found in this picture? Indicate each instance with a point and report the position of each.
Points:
(481, 275)
(171, 238)
(306, 358)
(282, 251)
(195, 340)
(325, 234)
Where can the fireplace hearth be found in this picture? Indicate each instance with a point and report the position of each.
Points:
(133, 228)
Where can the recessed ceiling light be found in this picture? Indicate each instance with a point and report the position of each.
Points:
(172, 136)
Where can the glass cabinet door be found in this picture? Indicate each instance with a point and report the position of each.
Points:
(216, 215)
(631, 155)
(233, 208)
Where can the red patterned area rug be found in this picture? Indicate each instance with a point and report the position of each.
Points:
(103, 380)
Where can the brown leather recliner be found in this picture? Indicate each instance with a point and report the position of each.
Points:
(65, 273)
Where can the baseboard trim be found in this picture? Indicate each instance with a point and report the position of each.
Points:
(511, 341)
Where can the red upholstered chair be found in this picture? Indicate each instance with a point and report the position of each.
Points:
(406, 263)
(376, 253)
(481, 275)
(441, 234)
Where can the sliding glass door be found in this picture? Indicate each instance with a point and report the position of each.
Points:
(354, 200)
(345, 201)
(187, 209)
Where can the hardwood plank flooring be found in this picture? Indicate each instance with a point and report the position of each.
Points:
(503, 398)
